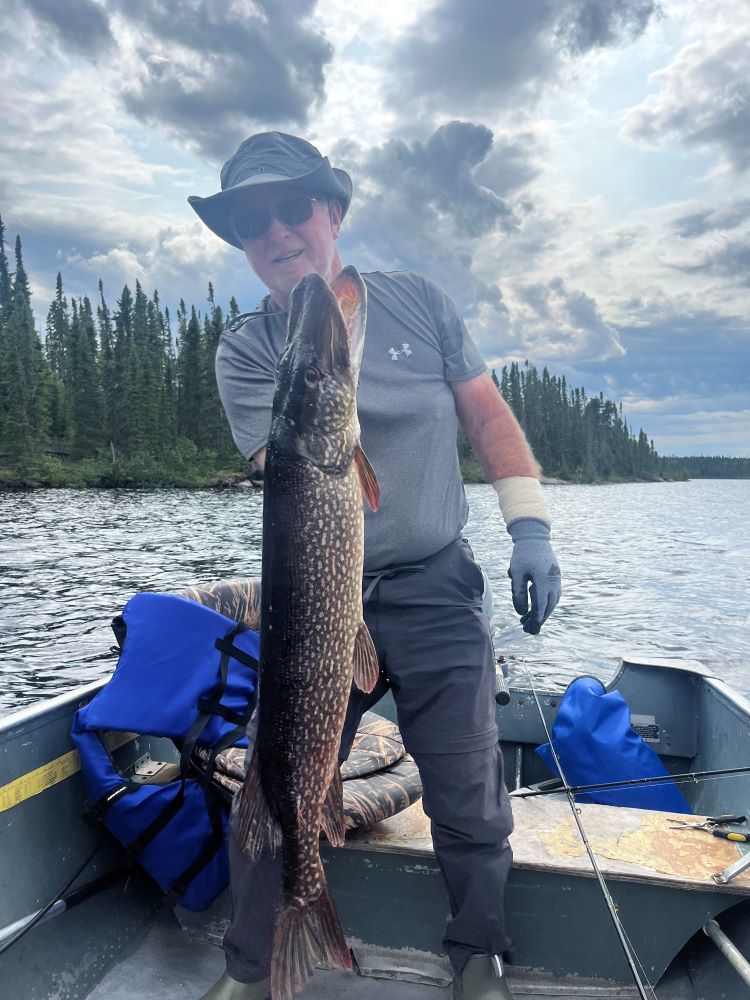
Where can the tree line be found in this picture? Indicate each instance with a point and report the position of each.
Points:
(575, 437)
(109, 396)
(709, 466)
(123, 396)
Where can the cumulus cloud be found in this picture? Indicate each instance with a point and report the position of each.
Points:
(710, 240)
(703, 99)
(82, 26)
(554, 321)
(207, 74)
(705, 220)
(477, 54)
(419, 205)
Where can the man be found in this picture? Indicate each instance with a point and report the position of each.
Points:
(283, 204)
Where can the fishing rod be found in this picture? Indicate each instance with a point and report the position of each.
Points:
(628, 950)
(688, 776)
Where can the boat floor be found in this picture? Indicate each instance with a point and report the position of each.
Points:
(166, 963)
(169, 965)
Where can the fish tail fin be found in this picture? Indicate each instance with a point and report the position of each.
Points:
(332, 817)
(366, 666)
(304, 934)
(258, 833)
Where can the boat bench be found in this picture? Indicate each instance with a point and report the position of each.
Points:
(380, 779)
(636, 845)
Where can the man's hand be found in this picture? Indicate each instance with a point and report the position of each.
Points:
(533, 562)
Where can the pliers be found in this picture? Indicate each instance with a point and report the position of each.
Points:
(713, 824)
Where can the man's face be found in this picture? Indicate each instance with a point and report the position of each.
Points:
(284, 254)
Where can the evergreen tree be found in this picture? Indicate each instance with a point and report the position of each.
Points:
(6, 289)
(87, 402)
(189, 353)
(106, 367)
(121, 422)
(25, 387)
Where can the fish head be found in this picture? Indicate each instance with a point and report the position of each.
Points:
(314, 410)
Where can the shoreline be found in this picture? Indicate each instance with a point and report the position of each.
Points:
(243, 480)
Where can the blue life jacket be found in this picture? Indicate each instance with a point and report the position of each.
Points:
(596, 743)
(188, 673)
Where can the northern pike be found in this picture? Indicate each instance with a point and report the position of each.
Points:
(314, 642)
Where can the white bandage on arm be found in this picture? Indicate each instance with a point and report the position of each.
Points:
(521, 496)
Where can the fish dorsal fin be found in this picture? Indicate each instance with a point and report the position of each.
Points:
(350, 291)
(367, 478)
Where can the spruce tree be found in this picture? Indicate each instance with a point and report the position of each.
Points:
(87, 402)
(26, 377)
(189, 402)
(122, 375)
(6, 288)
(106, 366)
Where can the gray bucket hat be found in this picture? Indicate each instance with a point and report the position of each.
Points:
(263, 160)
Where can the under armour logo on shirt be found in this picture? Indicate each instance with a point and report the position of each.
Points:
(395, 355)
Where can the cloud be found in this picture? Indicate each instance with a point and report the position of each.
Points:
(710, 240)
(418, 205)
(202, 73)
(472, 55)
(208, 74)
(703, 99)
(592, 24)
(553, 322)
(712, 253)
(706, 220)
(82, 26)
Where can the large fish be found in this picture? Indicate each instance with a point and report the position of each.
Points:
(313, 639)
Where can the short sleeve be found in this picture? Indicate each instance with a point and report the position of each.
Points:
(461, 357)
(246, 384)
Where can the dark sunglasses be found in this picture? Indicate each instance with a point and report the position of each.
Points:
(253, 222)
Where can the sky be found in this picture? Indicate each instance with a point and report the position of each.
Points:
(575, 173)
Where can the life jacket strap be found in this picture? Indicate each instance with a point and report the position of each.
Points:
(155, 827)
(225, 646)
(215, 812)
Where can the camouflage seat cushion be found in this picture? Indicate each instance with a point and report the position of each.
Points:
(380, 778)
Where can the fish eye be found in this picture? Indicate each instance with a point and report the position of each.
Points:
(312, 376)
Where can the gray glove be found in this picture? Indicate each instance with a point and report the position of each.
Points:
(533, 562)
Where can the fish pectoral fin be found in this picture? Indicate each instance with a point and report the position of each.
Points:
(258, 832)
(368, 481)
(366, 666)
(304, 935)
(332, 817)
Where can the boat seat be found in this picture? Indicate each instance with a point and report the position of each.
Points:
(632, 845)
(380, 779)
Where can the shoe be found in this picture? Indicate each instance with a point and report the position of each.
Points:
(229, 989)
(482, 979)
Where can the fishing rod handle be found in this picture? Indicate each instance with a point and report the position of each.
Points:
(502, 691)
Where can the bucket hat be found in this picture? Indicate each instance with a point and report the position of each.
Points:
(263, 160)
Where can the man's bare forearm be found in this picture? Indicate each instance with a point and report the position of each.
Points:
(492, 430)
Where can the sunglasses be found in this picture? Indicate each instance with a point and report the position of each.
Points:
(253, 222)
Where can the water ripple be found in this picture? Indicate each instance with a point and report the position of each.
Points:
(651, 567)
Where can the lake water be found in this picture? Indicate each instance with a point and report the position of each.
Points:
(656, 568)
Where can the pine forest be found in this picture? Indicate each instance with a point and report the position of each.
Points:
(125, 395)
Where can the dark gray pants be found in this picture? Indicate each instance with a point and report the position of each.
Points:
(435, 652)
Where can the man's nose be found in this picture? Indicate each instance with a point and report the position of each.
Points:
(277, 227)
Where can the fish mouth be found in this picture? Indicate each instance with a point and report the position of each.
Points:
(317, 326)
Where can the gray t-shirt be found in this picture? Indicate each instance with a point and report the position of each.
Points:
(415, 344)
